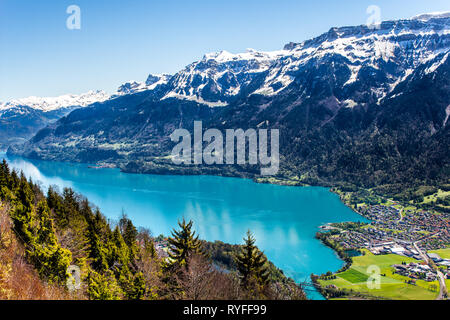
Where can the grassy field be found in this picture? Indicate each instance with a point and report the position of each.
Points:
(354, 276)
(443, 253)
(392, 285)
(440, 194)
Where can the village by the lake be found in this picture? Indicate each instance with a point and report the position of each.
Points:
(408, 245)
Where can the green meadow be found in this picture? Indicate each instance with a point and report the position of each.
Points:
(443, 253)
(392, 286)
(354, 276)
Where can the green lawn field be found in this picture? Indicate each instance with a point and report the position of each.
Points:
(443, 253)
(392, 286)
(354, 276)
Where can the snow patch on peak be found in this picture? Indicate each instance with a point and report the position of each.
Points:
(153, 80)
(219, 56)
(447, 114)
(156, 79)
(431, 15)
(131, 87)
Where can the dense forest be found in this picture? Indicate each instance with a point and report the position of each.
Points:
(59, 246)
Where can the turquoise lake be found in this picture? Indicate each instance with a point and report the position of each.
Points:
(283, 219)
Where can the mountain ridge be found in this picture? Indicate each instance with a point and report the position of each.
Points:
(332, 98)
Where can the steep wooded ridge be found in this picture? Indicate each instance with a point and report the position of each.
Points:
(354, 106)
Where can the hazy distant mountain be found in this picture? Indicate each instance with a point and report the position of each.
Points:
(354, 104)
(20, 119)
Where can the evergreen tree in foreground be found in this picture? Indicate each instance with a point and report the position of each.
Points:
(251, 263)
(103, 286)
(183, 244)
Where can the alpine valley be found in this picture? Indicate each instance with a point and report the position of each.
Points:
(355, 106)
(362, 110)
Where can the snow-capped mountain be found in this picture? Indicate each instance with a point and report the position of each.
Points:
(54, 103)
(219, 77)
(355, 104)
(390, 53)
(72, 101)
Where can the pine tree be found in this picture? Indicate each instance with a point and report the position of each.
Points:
(25, 194)
(70, 207)
(23, 212)
(96, 238)
(251, 262)
(133, 286)
(129, 234)
(149, 247)
(35, 229)
(139, 287)
(50, 259)
(103, 287)
(120, 252)
(13, 181)
(183, 244)
(4, 174)
(54, 201)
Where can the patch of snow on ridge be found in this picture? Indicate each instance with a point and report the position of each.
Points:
(131, 87)
(152, 82)
(350, 104)
(199, 100)
(447, 112)
(436, 65)
(354, 75)
(250, 54)
(431, 15)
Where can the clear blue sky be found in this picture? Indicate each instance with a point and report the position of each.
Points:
(123, 40)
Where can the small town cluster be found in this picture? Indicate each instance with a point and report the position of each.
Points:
(417, 271)
(402, 232)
